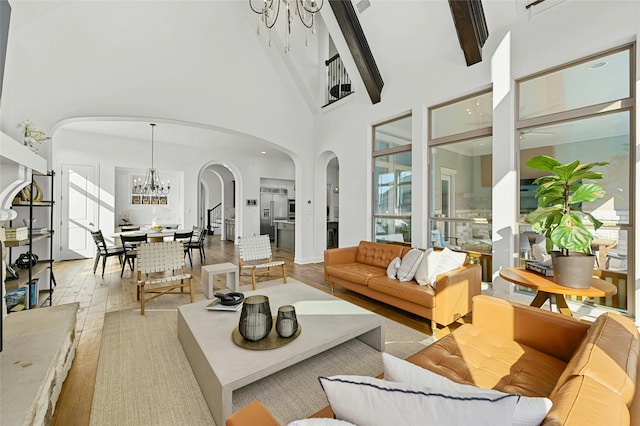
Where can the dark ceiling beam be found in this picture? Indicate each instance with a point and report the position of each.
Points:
(354, 35)
(471, 26)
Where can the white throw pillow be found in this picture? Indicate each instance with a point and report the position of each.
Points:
(392, 269)
(409, 265)
(529, 411)
(369, 401)
(448, 261)
(429, 262)
(320, 421)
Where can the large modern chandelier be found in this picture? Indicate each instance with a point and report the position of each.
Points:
(152, 185)
(270, 10)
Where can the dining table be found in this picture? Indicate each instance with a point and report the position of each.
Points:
(153, 236)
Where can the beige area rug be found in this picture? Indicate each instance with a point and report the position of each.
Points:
(144, 378)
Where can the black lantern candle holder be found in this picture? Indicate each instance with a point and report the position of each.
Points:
(255, 320)
(286, 322)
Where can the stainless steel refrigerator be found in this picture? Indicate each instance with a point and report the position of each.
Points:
(273, 206)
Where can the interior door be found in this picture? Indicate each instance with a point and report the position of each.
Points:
(78, 212)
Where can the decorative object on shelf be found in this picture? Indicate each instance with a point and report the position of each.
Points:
(29, 223)
(33, 136)
(255, 320)
(152, 188)
(16, 234)
(559, 214)
(286, 321)
(269, 10)
(25, 258)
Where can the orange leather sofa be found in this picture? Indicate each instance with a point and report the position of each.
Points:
(363, 269)
(588, 370)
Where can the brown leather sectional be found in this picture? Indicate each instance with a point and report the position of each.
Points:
(363, 269)
(588, 370)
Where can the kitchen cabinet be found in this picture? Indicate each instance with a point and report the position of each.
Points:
(285, 234)
(230, 229)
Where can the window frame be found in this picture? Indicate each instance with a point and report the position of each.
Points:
(375, 154)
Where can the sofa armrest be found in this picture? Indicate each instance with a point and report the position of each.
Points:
(252, 414)
(554, 334)
(339, 256)
(454, 292)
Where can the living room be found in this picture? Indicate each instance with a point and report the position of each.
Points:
(85, 71)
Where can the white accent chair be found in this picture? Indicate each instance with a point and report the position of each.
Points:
(256, 250)
(166, 258)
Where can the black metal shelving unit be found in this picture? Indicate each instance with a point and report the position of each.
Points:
(34, 271)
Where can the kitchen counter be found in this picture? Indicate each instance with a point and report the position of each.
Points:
(230, 229)
(285, 234)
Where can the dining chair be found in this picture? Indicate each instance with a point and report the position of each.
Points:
(199, 243)
(129, 245)
(167, 259)
(185, 237)
(104, 251)
(256, 250)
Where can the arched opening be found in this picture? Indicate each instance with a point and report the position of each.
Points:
(217, 207)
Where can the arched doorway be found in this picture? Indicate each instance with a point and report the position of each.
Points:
(333, 200)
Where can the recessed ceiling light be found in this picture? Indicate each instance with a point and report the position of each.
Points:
(263, 152)
(597, 65)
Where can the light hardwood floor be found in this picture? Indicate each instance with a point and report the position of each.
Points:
(98, 295)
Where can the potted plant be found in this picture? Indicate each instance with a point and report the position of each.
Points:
(559, 214)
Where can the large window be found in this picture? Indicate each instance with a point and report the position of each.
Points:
(584, 111)
(460, 162)
(392, 181)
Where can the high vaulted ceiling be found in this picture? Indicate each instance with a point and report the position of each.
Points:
(201, 63)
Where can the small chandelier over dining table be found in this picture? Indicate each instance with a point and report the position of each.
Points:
(270, 10)
(152, 184)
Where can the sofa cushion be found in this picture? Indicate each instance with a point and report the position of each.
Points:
(581, 398)
(476, 356)
(529, 411)
(609, 355)
(409, 265)
(392, 269)
(409, 291)
(369, 401)
(377, 254)
(428, 263)
(447, 261)
(358, 273)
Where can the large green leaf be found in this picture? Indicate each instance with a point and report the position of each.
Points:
(571, 234)
(566, 170)
(541, 214)
(596, 223)
(543, 162)
(580, 176)
(587, 192)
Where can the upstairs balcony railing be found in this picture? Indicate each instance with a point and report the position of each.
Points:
(338, 81)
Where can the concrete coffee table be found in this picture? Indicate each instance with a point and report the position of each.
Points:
(220, 366)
